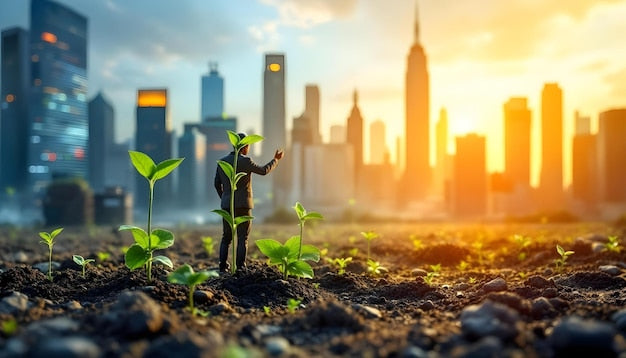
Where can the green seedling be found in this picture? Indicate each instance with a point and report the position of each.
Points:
(48, 239)
(369, 236)
(267, 310)
(472, 280)
(141, 253)
(417, 243)
(353, 252)
(208, 244)
(234, 177)
(340, 263)
(374, 268)
(434, 272)
(286, 256)
(184, 275)
(293, 304)
(103, 256)
(613, 244)
(9, 327)
(82, 262)
(522, 242)
(316, 285)
(462, 266)
(303, 217)
(560, 262)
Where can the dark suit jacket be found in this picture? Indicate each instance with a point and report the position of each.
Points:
(243, 195)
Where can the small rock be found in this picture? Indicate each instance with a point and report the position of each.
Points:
(367, 311)
(72, 305)
(201, 297)
(461, 286)
(66, 347)
(548, 272)
(550, 292)
(445, 287)
(538, 282)
(15, 302)
(597, 247)
(220, 308)
(58, 326)
(541, 308)
(610, 269)
(185, 344)
(460, 294)
(559, 304)
(43, 266)
(574, 336)
(486, 347)
(20, 257)
(495, 285)
(489, 319)
(619, 318)
(137, 314)
(413, 352)
(419, 272)
(277, 346)
(427, 305)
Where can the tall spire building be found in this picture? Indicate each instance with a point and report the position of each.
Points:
(417, 99)
(355, 134)
(212, 102)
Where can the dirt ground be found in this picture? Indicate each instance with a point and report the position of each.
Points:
(449, 290)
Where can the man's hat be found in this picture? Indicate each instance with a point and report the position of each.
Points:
(241, 135)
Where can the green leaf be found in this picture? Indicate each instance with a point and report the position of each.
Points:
(89, 260)
(250, 139)
(79, 260)
(224, 214)
(233, 138)
(56, 232)
(300, 268)
(238, 177)
(180, 275)
(202, 276)
(242, 219)
(292, 244)
(310, 253)
(166, 167)
(46, 238)
(161, 239)
(560, 250)
(139, 234)
(312, 215)
(272, 248)
(227, 168)
(300, 211)
(136, 257)
(164, 260)
(143, 163)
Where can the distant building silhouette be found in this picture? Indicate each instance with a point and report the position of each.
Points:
(330, 176)
(101, 140)
(337, 134)
(14, 101)
(441, 150)
(354, 135)
(212, 101)
(417, 174)
(470, 177)
(312, 111)
(517, 155)
(153, 137)
(551, 179)
(378, 146)
(58, 103)
(584, 165)
(193, 182)
(612, 156)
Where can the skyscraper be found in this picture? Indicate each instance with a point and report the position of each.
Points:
(193, 182)
(378, 147)
(15, 72)
(439, 175)
(470, 176)
(612, 156)
(551, 180)
(337, 133)
(153, 137)
(417, 102)
(274, 128)
(101, 140)
(355, 134)
(584, 164)
(58, 103)
(312, 110)
(212, 102)
(517, 141)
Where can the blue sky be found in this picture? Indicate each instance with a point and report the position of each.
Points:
(480, 53)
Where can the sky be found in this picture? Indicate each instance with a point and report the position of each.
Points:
(480, 53)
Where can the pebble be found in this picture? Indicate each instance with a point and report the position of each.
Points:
(367, 311)
(419, 272)
(185, 344)
(43, 266)
(574, 336)
(220, 308)
(486, 347)
(277, 346)
(548, 272)
(20, 257)
(489, 319)
(538, 282)
(541, 308)
(202, 297)
(427, 305)
(73, 305)
(495, 285)
(461, 286)
(597, 247)
(66, 347)
(460, 294)
(136, 314)
(619, 318)
(14, 303)
(58, 326)
(610, 269)
(413, 352)
(550, 292)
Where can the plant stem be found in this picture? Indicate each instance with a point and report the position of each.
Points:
(233, 229)
(368, 250)
(84, 271)
(50, 262)
(149, 263)
(192, 288)
(300, 247)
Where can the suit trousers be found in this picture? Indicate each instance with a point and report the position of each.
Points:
(243, 230)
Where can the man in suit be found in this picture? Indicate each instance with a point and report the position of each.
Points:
(243, 200)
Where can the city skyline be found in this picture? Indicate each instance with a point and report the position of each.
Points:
(503, 50)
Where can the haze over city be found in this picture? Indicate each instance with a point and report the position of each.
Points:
(480, 53)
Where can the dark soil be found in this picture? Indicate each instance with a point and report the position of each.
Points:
(396, 314)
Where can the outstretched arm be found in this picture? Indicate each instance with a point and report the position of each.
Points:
(250, 166)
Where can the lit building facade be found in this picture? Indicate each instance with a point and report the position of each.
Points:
(58, 128)
(378, 147)
(470, 177)
(612, 156)
(551, 179)
(441, 153)
(517, 141)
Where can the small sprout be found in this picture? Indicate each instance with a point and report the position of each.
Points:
(286, 256)
(103, 256)
(417, 243)
(124, 249)
(353, 251)
(267, 310)
(303, 217)
(613, 244)
(369, 236)
(340, 263)
(293, 304)
(472, 280)
(9, 327)
(560, 262)
(48, 239)
(462, 266)
(208, 244)
(522, 275)
(374, 268)
(324, 252)
(521, 256)
(82, 262)
(434, 272)
(316, 285)
(185, 275)
(435, 268)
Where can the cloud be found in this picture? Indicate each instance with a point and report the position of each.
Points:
(309, 13)
(617, 84)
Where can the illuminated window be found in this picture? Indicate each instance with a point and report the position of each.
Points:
(49, 37)
(79, 153)
(10, 98)
(35, 139)
(80, 97)
(274, 67)
(52, 105)
(151, 98)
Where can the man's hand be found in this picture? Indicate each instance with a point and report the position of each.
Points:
(279, 154)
